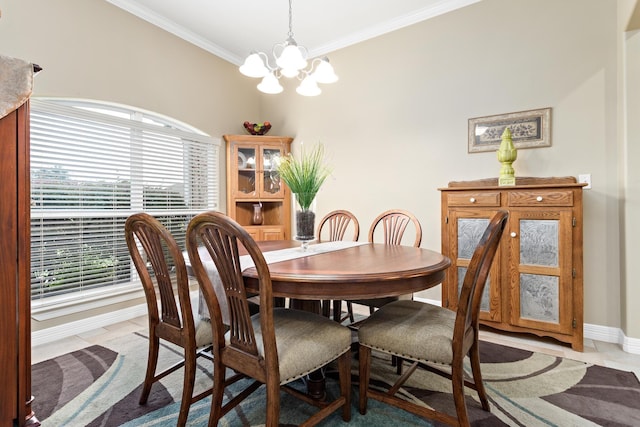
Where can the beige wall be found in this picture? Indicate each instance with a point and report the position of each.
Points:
(395, 124)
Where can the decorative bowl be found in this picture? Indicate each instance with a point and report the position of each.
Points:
(257, 128)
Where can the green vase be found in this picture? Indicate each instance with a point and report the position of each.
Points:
(507, 154)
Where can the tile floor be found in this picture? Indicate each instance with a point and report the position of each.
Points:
(596, 352)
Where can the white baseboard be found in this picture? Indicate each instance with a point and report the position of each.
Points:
(90, 323)
(594, 332)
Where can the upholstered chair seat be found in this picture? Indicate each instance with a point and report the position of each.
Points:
(305, 341)
(204, 334)
(400, 330)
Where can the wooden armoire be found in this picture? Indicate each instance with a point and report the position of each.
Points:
(15, 294)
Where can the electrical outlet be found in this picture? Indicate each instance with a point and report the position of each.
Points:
(586, 179)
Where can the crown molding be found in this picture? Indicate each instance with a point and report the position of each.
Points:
(394, 24)
(177, 30)
(150, 16)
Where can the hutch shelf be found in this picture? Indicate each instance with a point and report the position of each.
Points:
(535, 284)
(252, 179)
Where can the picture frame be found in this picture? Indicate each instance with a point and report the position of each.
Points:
(529, 129)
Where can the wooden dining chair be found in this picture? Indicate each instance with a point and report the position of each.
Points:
(161, 268)
(274, 347)
(434, 338)
(333, 227)
(391, 226)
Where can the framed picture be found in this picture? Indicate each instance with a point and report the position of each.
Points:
(529, 129)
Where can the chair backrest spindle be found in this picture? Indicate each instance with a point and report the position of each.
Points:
(394, 224)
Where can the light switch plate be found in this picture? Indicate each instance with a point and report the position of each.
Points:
(585, 178)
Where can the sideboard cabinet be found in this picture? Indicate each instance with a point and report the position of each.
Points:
(535, 285)
(253, 179)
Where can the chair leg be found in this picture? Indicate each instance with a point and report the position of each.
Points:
(337, 310)
(273, 404)
(326, 308)
(187, 387)
(474, 357)
(344, 367)
(364, 358)
(457, 382)
(217, 392)
(350, 312)
(152, 362)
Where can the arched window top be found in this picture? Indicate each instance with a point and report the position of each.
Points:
(123, 112)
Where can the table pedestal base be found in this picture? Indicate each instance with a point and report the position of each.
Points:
(306, 305)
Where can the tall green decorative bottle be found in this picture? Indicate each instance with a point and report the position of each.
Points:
(507, 154)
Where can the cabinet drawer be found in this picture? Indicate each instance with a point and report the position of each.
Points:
(541, 198)
(470, 198)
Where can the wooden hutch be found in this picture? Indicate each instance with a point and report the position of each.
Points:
(253, 183)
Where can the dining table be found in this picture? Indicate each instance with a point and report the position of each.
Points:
(337, 271)
(349, 271)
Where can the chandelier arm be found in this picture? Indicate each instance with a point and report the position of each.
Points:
(265, 58)
(314, 64)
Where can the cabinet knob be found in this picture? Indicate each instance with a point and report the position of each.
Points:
(539, 198)
(472, 200)
(513, 234)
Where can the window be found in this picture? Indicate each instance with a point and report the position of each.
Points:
(93, 165)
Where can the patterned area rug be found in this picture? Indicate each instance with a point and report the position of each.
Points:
(100, 386)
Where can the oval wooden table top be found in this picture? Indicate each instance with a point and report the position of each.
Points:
(370, 270)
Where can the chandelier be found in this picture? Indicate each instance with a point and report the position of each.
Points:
(291, 61)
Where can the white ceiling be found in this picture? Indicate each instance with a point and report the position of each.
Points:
(231, 29)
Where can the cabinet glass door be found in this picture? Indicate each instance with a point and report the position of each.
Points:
(270, 177)
(543, 279)
(246, 178)
(469, 229)
(539, 293)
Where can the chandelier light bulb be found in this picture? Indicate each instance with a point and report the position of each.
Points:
(254, 66)
(308, 87)
(291, 58)
(324, 72)
(270, 84)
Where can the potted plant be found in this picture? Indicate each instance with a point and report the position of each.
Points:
(304, 176)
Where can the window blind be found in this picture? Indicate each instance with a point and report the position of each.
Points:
(93, 165)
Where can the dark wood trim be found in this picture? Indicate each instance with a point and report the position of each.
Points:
(15, 289)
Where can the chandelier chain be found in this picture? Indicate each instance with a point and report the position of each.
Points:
(290, 20)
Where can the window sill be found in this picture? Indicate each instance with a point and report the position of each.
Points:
(63, 306)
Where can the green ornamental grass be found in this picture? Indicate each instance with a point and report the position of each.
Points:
(305, 176)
